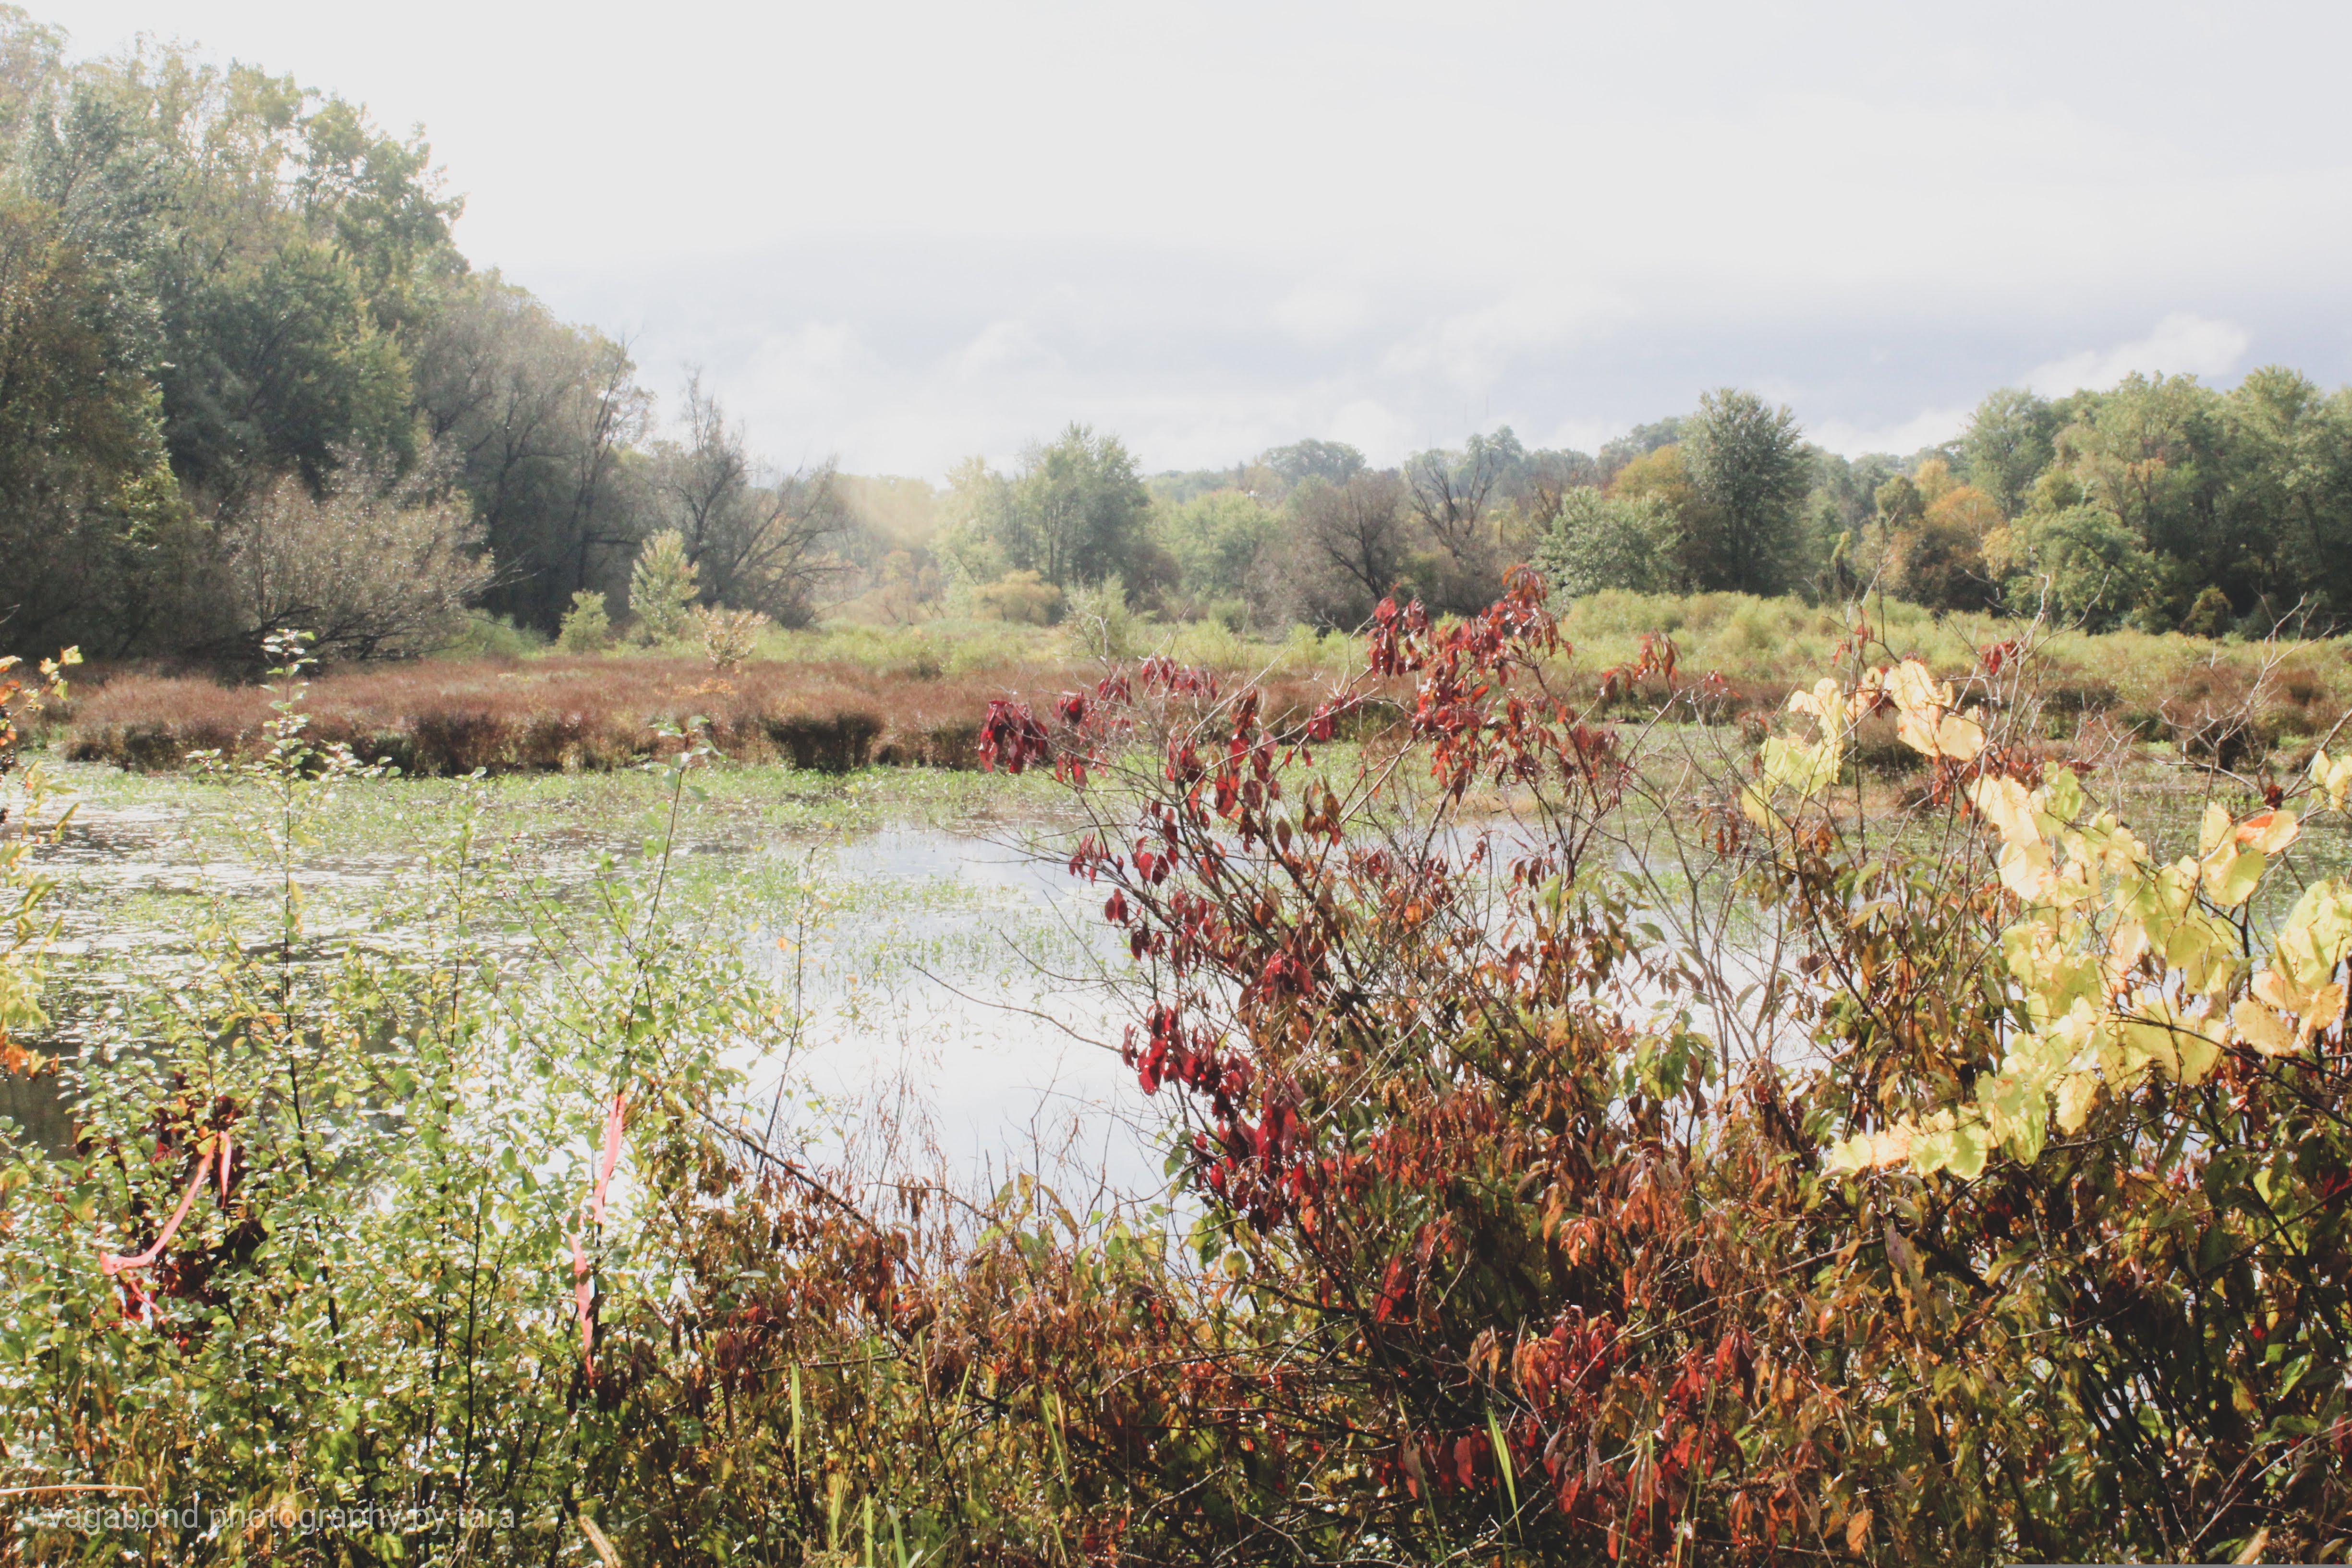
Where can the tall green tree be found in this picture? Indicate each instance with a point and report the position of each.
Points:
(1333, 462)
(1746, 466)
(544, 419)
(1076, 512)
(2009, 440)
(2291, 501)
(1598, 543)
(1215, 540)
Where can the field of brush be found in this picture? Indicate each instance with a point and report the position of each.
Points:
(844, 697)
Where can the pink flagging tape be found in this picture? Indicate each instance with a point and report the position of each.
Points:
(115, 1263)
(609, 1159)
(580, 1301)
(612, 1121)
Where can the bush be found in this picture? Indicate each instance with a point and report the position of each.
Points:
(375, 568)
(729, 637)
(560, 712)
(586, 627)
(1022, 597)
(1975, 1246)
(1597, 543)
(662, 589)
(484, 635)
(2082, 567)
(1098, 622)
(2211, 615)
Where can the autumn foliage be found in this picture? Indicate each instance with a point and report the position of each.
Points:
(1598, 1139)
(1529, 1270)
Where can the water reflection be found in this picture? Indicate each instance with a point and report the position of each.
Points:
(954, 996)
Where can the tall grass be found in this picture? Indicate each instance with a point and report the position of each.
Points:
(449, 717)
(846, 696)
(1765, 647)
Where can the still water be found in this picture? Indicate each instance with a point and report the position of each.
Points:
(951, 983)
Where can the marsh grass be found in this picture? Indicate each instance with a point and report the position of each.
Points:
(831, 702)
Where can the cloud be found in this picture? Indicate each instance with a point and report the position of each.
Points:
(1005, 348)
(1321, 313)
(1473, 349)
(1929, 428)
(2182, 344)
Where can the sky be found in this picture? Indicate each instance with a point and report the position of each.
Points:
(900, 235)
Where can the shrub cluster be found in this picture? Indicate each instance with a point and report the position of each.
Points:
(1524, 1218)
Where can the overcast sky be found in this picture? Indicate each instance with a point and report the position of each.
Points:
(902, 233)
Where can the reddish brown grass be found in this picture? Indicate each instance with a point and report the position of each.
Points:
(450, 717)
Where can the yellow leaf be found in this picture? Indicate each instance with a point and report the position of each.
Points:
(1971, 1141)
(2231, 877)
(2333, 776)
(1824, 702)
(2215, 828)
(2278, 987)
(2026, 871)
(1867, 1151)
(2268, 831)
(2324, 1009)
(1959, 739)
(2198, 1055)
(2262, 1030)
(1917, 731)
(2076, 1091)
(2127, 945)
(1914, 689)
(2150, 1042)
(2002, 801)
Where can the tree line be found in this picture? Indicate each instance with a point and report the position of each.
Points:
(2159, 501)
(248, 383)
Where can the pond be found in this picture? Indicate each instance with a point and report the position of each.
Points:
(948, 975)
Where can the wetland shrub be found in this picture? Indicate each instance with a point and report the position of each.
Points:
(1701, 1160)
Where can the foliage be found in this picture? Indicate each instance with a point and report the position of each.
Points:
(1350, 549)
(2082, 565)
(353, 1267)
(587, 626)
(729, 637)
(25, 933)
(1933, 553)
(1747, 474)
(2007, 443)
(546, 418)
(1535, 1274)
(376, 567)
(1098, 621)
(1074, 512)
(1024, 599)
(661, 588)
(483, 636)
(1215, 540)
(757, 543)
(1526, 1215)
(1599, 542)
(1333, 462)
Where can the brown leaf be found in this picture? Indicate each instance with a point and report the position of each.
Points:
(1857, 1529)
